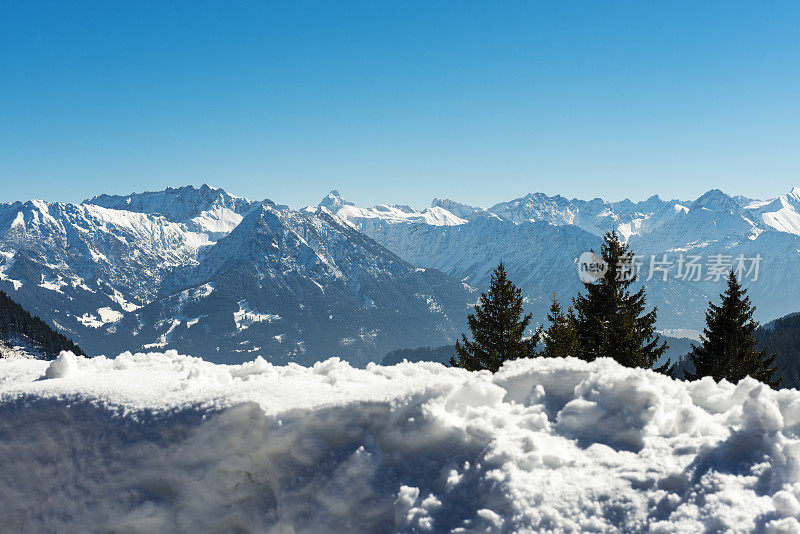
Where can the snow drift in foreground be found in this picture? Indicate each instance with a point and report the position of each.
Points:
(162, 442)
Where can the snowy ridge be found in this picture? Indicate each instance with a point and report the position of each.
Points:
(596, 216)
(435, 215)
(206, 209)
(163, 442)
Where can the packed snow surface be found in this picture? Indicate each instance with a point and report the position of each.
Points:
(168, 443)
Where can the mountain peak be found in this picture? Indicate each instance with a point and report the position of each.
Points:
(333, 201)
(716, 200)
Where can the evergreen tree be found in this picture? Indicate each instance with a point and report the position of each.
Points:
(782, 336)
(561, 338)
(610, 320)
(497, 326)
(16, 322)
(729, 347)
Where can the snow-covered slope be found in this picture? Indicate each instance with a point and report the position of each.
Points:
(168, 443)
(782, 213)
(19, 347)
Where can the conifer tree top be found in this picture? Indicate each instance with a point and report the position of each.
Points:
(610, 319)
(498, 327)
(728, 348)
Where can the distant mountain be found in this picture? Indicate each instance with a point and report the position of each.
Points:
(540, 237)
(28, 335)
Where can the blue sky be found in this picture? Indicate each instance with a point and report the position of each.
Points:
(400, 101)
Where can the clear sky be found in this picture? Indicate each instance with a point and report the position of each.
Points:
(400, 101)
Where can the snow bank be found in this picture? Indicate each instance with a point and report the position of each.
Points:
(163, 442)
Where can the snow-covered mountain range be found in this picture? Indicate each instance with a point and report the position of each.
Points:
(211, 274)
(208, 273)
(539, 237)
